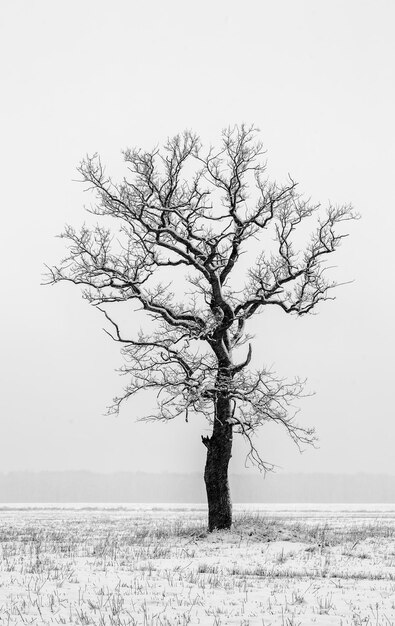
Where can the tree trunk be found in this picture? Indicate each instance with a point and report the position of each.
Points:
(219, 452)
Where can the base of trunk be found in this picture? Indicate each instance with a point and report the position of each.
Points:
(220, 511)
(219, 447)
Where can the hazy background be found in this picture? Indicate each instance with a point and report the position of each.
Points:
(170, 487)
(77, 77)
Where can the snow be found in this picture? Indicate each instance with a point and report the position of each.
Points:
(155, 565)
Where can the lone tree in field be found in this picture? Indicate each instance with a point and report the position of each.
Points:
(184, 218)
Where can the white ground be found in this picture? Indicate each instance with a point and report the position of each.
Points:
(156, 566)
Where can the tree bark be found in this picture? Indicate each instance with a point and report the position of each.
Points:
(219, 452)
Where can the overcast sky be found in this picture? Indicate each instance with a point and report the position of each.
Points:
(318, 79)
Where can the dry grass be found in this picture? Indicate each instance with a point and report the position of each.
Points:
(160, 568)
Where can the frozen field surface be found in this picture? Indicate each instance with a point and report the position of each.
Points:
(155, 565)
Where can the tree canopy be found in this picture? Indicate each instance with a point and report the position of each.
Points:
(185, 211)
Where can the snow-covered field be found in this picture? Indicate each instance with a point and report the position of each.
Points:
(155, 565)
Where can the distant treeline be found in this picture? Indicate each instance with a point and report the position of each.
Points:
(124, 487)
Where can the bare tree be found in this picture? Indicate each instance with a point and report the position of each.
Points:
(194, 213)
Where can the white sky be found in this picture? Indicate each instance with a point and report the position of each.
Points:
(317, 77)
